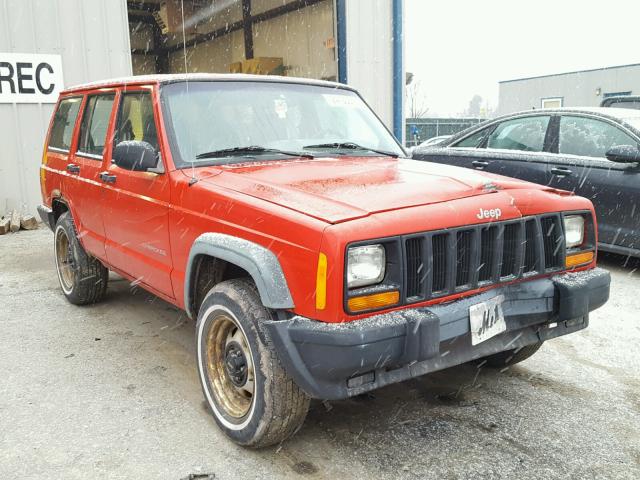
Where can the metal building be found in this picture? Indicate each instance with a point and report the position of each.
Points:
(584, 88)
(46, 45)
(89, 39)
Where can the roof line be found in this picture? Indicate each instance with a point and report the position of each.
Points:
(570, 73)
(194, 77)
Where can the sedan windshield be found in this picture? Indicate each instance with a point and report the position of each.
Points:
(276, 119)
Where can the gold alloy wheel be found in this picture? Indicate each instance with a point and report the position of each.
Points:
(230, 366)
(64, 260)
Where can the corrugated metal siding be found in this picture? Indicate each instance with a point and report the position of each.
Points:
(92, 36)
(370, 53)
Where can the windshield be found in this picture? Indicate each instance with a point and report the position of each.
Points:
(206, 117)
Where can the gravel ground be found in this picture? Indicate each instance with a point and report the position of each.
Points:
(110, 391)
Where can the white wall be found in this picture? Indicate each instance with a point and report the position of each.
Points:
(370, 53)
(576, 89)
(92, 36)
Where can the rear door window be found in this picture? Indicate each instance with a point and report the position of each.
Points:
(525, 134)
(589, 137)
(64, 122)
(95, 123)
(135, 119)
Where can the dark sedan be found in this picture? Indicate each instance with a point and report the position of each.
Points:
(593, 152)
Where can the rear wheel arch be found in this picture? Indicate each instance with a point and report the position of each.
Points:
(59, 206)
(216, 257)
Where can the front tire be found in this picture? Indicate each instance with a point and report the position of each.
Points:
(509, 357)
(83, 278)
(252, 398)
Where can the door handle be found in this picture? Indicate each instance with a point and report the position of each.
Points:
(106, 177)
(73, 168)
(561, 171)
(480, 165)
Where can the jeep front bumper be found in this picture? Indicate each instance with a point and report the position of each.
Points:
(334, 361)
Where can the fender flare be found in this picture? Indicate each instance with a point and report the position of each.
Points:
(260, 262)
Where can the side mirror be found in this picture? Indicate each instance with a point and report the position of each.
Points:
(623, 154)
(135, 155)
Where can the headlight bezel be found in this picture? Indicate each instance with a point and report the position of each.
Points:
(393, 277)
(577, 223)
(589, 239)
(372, 250)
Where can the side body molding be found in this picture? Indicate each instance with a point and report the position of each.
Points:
(261, 263)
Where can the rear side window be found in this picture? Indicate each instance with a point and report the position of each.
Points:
(135, 119)
(95, 122)
(63, 123)
(525, 134)
(588, 137)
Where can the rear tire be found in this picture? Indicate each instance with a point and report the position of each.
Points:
(509, 357)
(83, 278)
(251, 397)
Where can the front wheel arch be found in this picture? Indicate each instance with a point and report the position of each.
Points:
(249, 258)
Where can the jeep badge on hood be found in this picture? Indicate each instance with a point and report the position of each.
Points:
(494, 213)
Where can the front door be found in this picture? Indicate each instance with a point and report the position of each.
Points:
(136, 213)
(513, 148)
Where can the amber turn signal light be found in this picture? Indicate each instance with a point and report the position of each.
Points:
(321, 282)
(373, 302)
(576, 259)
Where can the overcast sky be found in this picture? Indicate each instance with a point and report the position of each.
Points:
(458, 48)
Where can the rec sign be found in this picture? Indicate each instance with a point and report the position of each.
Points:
(30, 78)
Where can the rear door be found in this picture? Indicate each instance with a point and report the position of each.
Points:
(136, 215)
(614, 188)
(82, 186)
(59, 144)
(514, 148)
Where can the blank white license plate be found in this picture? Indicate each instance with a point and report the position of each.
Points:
(486, 319)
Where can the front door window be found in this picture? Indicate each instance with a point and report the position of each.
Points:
(526, 134)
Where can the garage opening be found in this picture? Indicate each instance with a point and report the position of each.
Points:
(275, 37)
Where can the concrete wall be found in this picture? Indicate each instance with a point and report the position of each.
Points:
(303, 39)
(576, 89)
(92, 36)
(298, 37)
(214, 56)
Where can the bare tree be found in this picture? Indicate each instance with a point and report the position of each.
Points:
(475, 105)
(416, 101)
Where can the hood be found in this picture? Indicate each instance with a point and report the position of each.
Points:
(338, 189)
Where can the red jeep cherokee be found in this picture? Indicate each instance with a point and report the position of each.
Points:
(318, 262)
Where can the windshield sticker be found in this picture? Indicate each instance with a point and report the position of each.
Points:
(281, 107)
(341, 100)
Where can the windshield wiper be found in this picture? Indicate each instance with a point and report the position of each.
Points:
(350, 146)
(237, 151)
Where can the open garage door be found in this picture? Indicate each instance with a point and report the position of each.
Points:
(279, 37)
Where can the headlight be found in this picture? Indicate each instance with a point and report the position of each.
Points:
(365, 265)
(573, 230)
